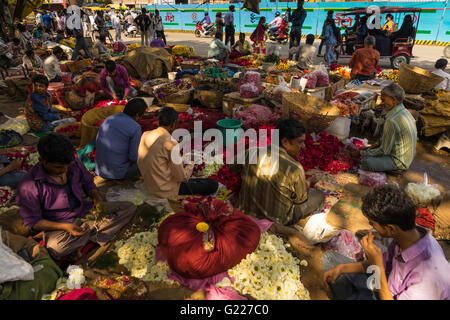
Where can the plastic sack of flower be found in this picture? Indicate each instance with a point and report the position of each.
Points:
(372, 179)
(117, 193)
(252, 77)
(322, 76)
(207, 238)
(17, 124)
(281, 87)
(249, 90)
(422, 194)
(317, 230)
(312, 80)
(340, 128)
(346, 244)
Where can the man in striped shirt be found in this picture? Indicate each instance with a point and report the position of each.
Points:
(398, 142)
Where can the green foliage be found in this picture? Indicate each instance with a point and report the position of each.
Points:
(272, 58)
(150, 215)
(107, 260)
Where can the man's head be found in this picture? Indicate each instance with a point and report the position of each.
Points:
(206, 13)
(310, 39)
(144, 11)
(21, 28)
(277, 14)
(135, 108)
(241, 37)
(218, 14)
(102, 38)
(56, 152)
(389, 210)
(168, 118)
(40, 84)
(330, 14)
(300, 3)
(58, 52)
(441, 64)
(407, 19)
(157, 12)
(292, 136)
(231, 8)
(369, 42)
(110, 67)
(392, 95)
(29, 53)
(40, 29)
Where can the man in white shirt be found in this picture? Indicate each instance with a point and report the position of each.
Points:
(52, 70)
(116, 24)
(440, 66)
(276, 23)
(32, 61)
(229, 26)
(159, 27)
(218, 50)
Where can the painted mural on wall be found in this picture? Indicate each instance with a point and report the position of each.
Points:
(434, 23)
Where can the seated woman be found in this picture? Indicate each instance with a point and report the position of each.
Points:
(440, 66)
(217, 49)
(276, 187)
(389, 25)
(406, 30)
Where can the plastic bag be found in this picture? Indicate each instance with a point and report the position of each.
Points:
(372, 179)
(19, 125)
(312, 80)
(340, 128)
(249, 90)
(252, 77)
(322, 76)
(282, 87)
(117, 193)
(346, 244)
(356, 143)
(422, 194)
(272, 48)
(317, 230)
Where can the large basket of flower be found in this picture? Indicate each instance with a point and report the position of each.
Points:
(179, 92)
(69, 129)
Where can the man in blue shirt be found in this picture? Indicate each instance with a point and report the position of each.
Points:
(118, 141)
(296, 18)
(47, 20)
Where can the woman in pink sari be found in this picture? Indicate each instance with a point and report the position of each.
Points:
(259, 37)
(61, 21)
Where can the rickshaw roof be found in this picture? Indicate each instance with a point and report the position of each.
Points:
(363, 11)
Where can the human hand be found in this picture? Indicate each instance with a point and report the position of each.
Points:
(75, 230)
(330, 276)
(373, 252)
(15, 164)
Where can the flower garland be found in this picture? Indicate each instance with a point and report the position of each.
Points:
(228, 178)
(68, 129)
(6, 196)
(29, 155)
(76, 277)
(4, 209)
(172, 88)
(269, 273)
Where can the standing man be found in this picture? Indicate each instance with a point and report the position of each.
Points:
(38, 19)
(229, 26)
(47, 20)
(322, 42)
(296, 18)
(86, 23)
(143, 23)
(159, 27)
(116, 24)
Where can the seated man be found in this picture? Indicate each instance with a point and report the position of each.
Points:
(305, 53)
(364, 61)
(242, 46)
(218, 50)
(52, 70)
(114, 81)
(414, 266)
(31, 61)
(158, 42)
(9, 176)
(284, 196)
(439, 69)
(40, 114)
(118, 142)
(398, 141)
(163, 178)
(50, 197)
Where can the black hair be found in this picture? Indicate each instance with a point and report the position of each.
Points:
(143, 10)
(290, 129)
(56, 148)
(102, 38)
(389, 16)
(21, 27)
(330, 13)
(40, 28)
(167, 116)
(29, 53)
(310, 38)
(40, 78)
(57, 50)
(156, 11)
(48, 30)
(390, 205)
(135, 107)
(231, 7)
(110, 66)
(441, 64)
(16, 40)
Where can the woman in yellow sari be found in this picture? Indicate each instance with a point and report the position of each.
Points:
(389, 25)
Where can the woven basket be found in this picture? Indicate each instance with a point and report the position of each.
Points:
(180, 108)
(417, 80)
(75, 134)
(180, 97)
(209, 98)
(316, 114)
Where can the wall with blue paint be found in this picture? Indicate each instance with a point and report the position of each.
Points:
(183, 17)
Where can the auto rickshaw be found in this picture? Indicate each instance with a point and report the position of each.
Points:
(398, 50)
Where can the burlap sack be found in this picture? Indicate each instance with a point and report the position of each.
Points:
(77, 102)
(148, 63)
(77, 66)
(13, 222)
(346, 213)
(442, 219)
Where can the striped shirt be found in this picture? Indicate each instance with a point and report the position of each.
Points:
(272, 193)
(399, 138)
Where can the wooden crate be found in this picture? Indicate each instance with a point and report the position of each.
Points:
(231, 100)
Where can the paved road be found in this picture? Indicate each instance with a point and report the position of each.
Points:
(425, 56)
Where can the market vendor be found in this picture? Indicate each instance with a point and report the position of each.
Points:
(305, 53)
(52, 68)
(364, 61)
(439, 69)
(158, 42)
(40, 114)
(115, 82)
(50, 198)
(218, 50)
(32, 62)
(164, 178)
(117, 142)
(398, 142)
(414, 266)
(242, 46)
(9, 174)
(284, 196)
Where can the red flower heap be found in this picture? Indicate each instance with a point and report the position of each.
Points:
(23, 155)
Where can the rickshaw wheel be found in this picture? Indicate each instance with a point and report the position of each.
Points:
(398, 60)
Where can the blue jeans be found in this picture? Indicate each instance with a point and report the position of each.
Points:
(12, 179)
(382, 163)
(329, 53)
(349, 286)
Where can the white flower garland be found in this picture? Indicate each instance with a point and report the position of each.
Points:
(269, 273)
(6, 209)
(76, 277)
(33, 158)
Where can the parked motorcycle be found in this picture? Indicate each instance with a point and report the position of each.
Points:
(131, 31)
(209, 32)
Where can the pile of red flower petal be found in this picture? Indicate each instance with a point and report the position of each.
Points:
(91, 155)
(425, 218)
(334, 66)
(327, 154)
(106, 103)
(228, 178)
(23, 155)
(6, 195)
(68, 128)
